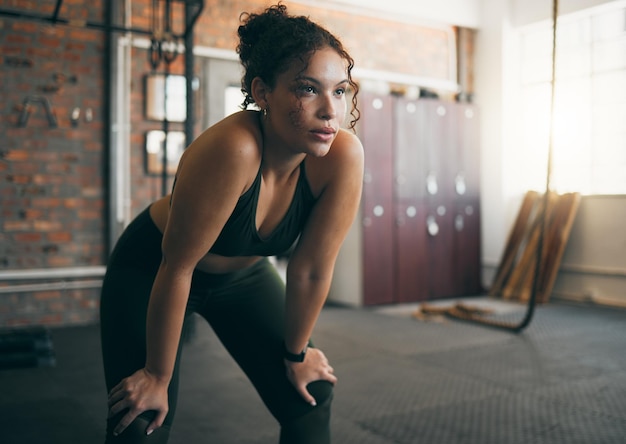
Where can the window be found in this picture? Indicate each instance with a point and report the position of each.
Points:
(233, 98)
(589, 153)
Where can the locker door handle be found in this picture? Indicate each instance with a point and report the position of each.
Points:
(378, 211)
(431, 183)
(459, 184)
(410, 213)
(459, 222)
(432, 226)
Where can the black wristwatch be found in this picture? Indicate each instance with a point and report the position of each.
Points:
(294, 357)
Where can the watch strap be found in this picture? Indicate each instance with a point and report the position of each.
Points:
(293, 357)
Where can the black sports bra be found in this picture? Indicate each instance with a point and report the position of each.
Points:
(239, 237)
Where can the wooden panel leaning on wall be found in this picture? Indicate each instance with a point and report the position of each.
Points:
(516, 272)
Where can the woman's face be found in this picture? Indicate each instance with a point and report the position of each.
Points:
(307, 106)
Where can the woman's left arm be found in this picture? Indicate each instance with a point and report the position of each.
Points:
(311, 265)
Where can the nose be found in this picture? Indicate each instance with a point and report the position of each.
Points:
(328, 107)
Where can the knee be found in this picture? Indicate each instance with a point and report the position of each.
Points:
(313, 425)
(297, 408)
(322, 391)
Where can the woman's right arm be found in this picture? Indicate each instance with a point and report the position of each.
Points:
(210, 180)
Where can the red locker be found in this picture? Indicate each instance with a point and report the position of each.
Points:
(466, 264)
(411, 265)
(420, 225)
(467, 152)
(467, 206)
(438, 144)
(375, 130)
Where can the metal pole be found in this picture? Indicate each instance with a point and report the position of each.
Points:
(190, 18)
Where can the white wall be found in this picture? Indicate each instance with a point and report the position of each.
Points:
(530, 11)
(450, 12)
(489, 96)
(594, 263)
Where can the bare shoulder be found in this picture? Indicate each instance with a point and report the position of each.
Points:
(344, 162)
(346, 146)
(224, 158)
(232, 143)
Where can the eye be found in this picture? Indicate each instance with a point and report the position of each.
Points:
(306, 89)
(340, 91)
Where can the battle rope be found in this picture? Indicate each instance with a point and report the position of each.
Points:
(477, 315)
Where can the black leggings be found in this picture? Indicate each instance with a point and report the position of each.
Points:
(245, 309)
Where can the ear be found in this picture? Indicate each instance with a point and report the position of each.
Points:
(259, 92)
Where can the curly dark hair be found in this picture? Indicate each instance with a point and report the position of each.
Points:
(270, 41)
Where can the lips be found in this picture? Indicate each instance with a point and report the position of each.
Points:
(325, 130)
(324, 135)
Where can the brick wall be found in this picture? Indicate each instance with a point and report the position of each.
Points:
(52, 179)
(51, 169)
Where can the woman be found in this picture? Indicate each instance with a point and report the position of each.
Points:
(246, 188)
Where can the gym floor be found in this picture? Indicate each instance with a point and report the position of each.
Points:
(401, 380)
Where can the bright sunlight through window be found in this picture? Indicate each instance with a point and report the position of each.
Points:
(590, 99)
